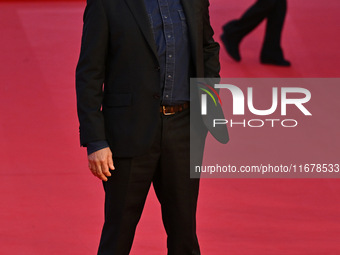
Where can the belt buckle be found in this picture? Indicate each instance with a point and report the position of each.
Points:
(167, 113)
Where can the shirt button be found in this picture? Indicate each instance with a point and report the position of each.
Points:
(169, 36)
(165, 17)
(166, 96)
(169, 76)
(170, 56)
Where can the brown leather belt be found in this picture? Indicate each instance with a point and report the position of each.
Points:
(172, 109)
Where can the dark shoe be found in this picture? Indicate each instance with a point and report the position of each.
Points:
(275, 61)
(231, 46)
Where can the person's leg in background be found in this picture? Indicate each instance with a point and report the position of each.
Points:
(235, 30)
(272, 52)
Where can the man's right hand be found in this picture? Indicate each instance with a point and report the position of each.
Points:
(100, 163)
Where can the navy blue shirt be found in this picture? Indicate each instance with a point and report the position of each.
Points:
(168, 23)
(169, 27)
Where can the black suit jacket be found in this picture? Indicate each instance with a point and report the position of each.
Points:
(118, 50)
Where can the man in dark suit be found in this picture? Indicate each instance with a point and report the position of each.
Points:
(234, 31)
(132, 84)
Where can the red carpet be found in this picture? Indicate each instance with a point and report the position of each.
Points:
(51, 204)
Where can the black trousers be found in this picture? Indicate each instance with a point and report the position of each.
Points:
(272, 10)
(166, 166)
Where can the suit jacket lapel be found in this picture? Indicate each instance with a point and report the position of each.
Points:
(138, 9)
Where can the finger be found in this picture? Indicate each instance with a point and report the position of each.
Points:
(110, 162)
(92, 168)
(105, 169)
(100, 174)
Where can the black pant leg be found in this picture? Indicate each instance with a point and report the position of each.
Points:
(167, 165)
(175, 190)
(125, 195)
(272, 41)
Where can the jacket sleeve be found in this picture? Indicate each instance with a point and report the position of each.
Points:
(211, 48)
(90, 73)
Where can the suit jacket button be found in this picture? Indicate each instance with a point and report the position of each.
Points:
(157, 68)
